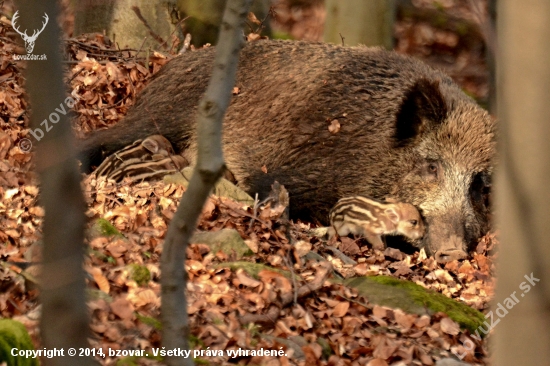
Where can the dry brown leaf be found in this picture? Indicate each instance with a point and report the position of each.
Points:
(101, 281)
(302, 247)
(341, 309)
(282, 283)
(5, 145)
(10, 193)
(117, 248)
(404, 320)
(245, 280)
(123, 211)
(194, 266)
(443, 276)
(385, 349)
(449, 326)
(426, 359)
(208, 209)
(311, 357)
(99, 327)
(112, 333)
(377, 362)
(140, 297)
(37, 210)
(252, 245)
(31, 190)
(13, 233)
(350, 247)
(253, 37)
(423, 321)
(113, 71)
(252, 18)
(122, 308)
(379, 311)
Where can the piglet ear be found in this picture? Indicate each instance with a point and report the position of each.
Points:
(151, 145)
(392, 214)
(422, 109)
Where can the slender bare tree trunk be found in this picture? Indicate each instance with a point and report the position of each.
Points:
(210, 166)
(523, 196)
(360, 22)
(64, 322)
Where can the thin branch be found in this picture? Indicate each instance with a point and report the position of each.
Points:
(153, 34)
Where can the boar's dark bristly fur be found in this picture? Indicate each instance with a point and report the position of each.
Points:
(407, 132)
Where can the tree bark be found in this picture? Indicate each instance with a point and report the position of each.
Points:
(210, 166)
(522, 336)
(64, 322)
(360, 22)
(118, 21)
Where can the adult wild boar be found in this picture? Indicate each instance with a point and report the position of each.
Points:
(406, 131)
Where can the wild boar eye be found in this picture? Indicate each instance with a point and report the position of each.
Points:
(413, 222)
(430, 170)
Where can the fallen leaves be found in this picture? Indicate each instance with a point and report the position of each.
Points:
(340, 309)
(228, 309)
(122, 308)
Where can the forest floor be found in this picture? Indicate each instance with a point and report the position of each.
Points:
(332, 325)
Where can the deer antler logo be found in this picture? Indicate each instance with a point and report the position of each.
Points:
(29, 40)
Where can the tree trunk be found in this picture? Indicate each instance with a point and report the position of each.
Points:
(210, 166)
(522, 336)
(64, 321)
(360, 22)
(120, 23)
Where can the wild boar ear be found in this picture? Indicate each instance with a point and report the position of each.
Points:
(392, 214)
(422, 109)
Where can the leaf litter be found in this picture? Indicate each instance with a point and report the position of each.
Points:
(313, 320)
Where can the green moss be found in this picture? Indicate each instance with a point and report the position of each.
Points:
(252, 269)
(430, 301)
(462, 29)
(253, 329)
(326, 349)
(104, 228)
(439, 20)
(128, 361)
(13, 334)
(155, 323)
(95, 294)
(140, 274)
(228, 241)
(282, 35)
(438, 6)
(195, 341)
(217, 321)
